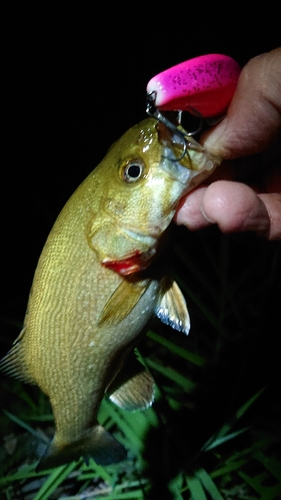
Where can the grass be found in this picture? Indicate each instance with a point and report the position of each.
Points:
(214, 431)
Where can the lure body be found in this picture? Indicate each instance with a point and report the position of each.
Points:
(93, 291)
(203, 85)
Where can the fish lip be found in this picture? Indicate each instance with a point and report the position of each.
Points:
(194, 161)
(151, 236)
(140, 256)
(137, 261)
(173, 168)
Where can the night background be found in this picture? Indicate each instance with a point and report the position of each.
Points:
(74, 80)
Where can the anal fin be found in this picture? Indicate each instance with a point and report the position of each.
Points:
(133, 387)
(135, 394)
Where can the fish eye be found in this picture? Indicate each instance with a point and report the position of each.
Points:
(132, 171)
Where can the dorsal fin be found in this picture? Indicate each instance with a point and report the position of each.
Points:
(13, 363)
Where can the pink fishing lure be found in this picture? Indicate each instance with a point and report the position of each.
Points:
(205, 85)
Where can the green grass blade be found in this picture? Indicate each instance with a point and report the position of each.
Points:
(233, 465)
(222, 435)
(53, 481)
(208, 484)
(249, 403)
(271, 463)
(176, 486)
(195, 488)
(128, 425)
(101, 472)
(179, 351)
(254, 482)
(173, 375)
(219, 441)
(25, 426)
(26, 473)
(129, 495)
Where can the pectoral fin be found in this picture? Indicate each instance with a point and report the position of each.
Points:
(133, 387)
(122, 301)
(171, 307)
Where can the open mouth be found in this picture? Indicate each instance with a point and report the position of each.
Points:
(137, 262)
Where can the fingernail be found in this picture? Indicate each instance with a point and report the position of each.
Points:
(212, 140)
(205, 216)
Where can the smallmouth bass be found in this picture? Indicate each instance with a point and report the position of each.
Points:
(95, 288)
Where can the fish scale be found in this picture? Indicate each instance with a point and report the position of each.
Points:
(96, 286)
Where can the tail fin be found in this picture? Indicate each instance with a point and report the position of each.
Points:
(97, 444)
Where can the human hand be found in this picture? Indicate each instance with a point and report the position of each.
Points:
(244, 194)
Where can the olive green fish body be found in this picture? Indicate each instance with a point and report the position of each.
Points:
(92, 294)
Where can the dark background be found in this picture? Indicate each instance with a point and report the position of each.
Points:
(74, 79)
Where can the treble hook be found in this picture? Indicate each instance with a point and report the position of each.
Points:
(153, 111)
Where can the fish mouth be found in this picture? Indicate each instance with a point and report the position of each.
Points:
(184, 159)
(148, 240)
(175, 161)
(143, 252)
(174, 168)
(136, 262)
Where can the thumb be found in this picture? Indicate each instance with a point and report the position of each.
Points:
(254, 115)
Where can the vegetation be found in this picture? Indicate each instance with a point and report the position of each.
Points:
(214, 431)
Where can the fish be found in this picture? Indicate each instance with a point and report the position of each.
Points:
(98, 282)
